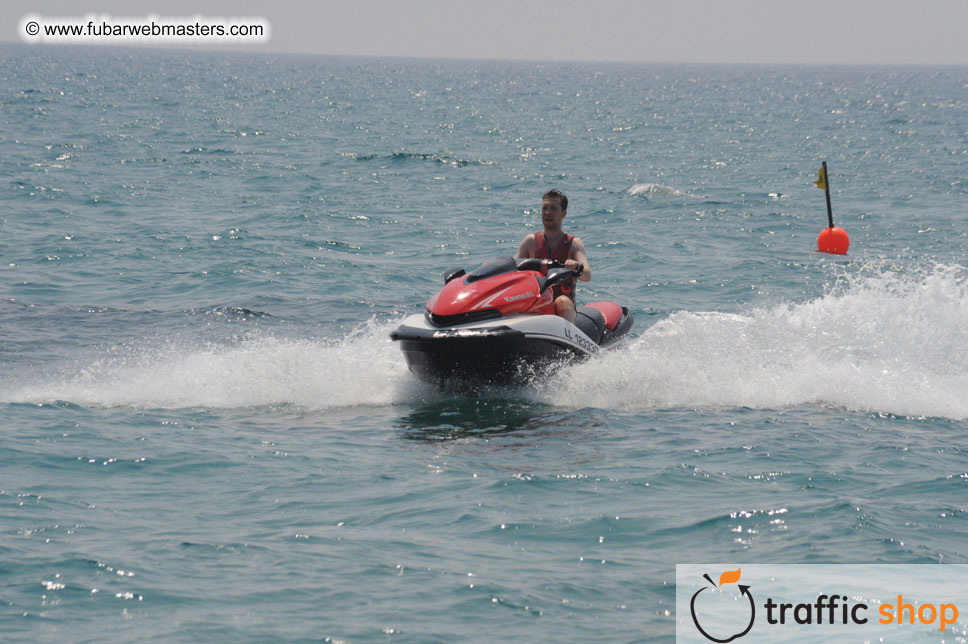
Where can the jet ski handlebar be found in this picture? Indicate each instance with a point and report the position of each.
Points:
(554, 272)
(549, 268)
(543, 266)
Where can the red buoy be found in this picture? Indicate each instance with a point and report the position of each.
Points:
(833, 240)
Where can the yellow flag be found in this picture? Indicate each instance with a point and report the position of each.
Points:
(822, 181)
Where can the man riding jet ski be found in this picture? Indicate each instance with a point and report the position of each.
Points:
(512, 317)
(554, 243)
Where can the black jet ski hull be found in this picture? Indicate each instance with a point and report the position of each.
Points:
(506, 351)
(489, 357)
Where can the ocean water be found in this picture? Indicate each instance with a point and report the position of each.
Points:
(208, 436)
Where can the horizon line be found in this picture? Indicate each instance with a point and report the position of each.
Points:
(229, 49)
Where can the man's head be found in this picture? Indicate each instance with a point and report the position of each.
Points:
(554, 207)
(554, 194)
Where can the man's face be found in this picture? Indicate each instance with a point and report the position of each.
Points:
(551, 212)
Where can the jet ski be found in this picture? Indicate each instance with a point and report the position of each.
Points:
(497, 324)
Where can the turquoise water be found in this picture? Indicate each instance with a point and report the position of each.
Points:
(208, 436)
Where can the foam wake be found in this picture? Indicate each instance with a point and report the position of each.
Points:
(886, 342)
(362, 369)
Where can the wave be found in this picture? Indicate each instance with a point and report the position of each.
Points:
(887, 342)
(362, 369)
(230, 312)
(399, 157)
(656, 189)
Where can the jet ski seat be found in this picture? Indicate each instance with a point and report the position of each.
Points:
(591, 322)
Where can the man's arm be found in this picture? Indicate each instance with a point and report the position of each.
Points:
(527, 248)
(578, 253)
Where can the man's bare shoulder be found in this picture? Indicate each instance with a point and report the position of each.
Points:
(528, 247)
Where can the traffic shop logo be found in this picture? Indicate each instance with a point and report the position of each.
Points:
(715, 632)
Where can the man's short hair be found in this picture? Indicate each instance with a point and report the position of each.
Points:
(554, 194)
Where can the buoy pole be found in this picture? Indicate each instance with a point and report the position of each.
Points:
(832, 239)
(826, 189)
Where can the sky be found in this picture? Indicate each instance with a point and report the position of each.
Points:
(707, 31)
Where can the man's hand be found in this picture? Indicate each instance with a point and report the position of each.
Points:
(575, 266)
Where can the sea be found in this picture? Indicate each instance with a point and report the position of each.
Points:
(208, 436)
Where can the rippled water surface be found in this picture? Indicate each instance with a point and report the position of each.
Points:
(208, 435)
